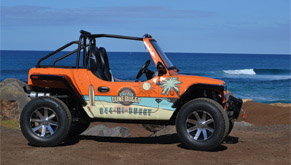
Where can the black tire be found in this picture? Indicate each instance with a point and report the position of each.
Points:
(202, 124)
(79, 127)
(45, 121)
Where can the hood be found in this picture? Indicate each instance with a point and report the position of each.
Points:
(200, 80)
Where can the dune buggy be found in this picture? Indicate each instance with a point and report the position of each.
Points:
(66, 99)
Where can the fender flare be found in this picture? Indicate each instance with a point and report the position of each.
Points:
(188, 92)
(64, 80)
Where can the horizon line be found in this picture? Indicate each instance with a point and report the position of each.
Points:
(166, 52)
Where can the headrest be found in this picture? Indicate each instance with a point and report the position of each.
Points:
(104, 56)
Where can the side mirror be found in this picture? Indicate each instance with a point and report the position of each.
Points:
(161, 69)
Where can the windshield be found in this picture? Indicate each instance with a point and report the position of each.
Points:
(163, 56)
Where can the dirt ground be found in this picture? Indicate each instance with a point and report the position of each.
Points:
(267, 142)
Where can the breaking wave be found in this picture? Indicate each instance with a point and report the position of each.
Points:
(258, 72)
(241, 71)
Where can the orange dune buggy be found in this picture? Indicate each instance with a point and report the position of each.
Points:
(66, 99)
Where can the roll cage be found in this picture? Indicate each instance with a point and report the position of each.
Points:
(86, 40)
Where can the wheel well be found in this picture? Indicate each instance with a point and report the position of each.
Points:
(214, 92)
(60, 87)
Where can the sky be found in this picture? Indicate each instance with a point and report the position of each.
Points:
(194, 26)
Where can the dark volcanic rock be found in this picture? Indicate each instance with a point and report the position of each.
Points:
(12, 98)
(9, 110)
(167, 130)
(102, 130)
(242, 124)
(22, 84)
(153, 127)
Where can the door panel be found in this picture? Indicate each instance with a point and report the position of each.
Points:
(127, 100)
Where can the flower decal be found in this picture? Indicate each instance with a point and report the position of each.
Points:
(171, 85)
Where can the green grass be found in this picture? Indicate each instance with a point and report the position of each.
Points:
(10, 124)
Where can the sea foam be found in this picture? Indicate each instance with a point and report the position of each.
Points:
(240, 71)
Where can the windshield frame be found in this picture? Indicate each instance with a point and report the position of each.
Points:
(162, 55)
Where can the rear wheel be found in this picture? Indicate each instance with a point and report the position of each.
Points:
(202, 124)
(45, 121)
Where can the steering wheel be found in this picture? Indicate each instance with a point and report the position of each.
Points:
(143, 69)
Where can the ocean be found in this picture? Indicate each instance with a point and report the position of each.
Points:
(263, 78)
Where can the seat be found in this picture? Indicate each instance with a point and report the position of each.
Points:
(105, 64)
(95, 63)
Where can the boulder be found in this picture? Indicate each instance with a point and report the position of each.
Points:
(153, 127)
(102, 130)
(9, 110)
(242, 124)
(247, 100)
(167, 130)
(22, 84)
(12, 98)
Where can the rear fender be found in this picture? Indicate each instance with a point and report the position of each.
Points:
(57, 82)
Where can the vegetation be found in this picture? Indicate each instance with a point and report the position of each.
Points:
(10, 124)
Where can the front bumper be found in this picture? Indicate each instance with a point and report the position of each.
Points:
(233, 107)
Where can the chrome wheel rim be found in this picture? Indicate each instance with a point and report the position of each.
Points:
(44, 122)
(200, 125)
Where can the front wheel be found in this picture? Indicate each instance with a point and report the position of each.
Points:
(45, 121)
(202, 124)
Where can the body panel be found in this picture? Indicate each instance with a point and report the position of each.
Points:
(148, 100)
